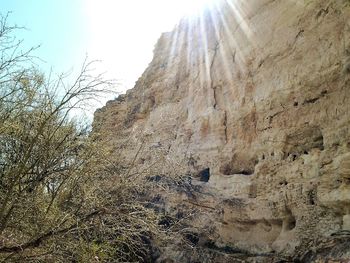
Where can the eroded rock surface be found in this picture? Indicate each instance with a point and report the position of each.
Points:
(256, 93)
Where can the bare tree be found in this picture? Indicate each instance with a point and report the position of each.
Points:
(60, 198)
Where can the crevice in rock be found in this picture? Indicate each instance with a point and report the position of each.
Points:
(283, 53)
(215, 97)
(211, 73)
(225, 126)
(233, 55)
(199, 205)
(270, 117)
(315, 99)
(226, 170)
(265, 129)
(300, 33)
(312, 195)
(225, 249)
(323, 11)
(231, 250)
(311, 101)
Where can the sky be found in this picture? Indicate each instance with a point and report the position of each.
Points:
(119, 33)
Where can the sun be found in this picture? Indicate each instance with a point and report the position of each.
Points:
(193, 7)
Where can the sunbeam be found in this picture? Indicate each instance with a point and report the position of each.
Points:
(197, 44)
(194, 6)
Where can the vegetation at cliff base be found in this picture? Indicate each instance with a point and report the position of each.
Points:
(61, 200)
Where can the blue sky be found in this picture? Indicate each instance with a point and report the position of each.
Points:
(58, 26)
(120, 33)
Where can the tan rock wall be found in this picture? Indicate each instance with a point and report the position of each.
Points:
(259, 92)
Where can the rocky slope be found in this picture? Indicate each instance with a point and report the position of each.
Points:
(250, 100)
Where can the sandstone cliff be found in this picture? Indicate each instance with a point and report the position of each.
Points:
(250, 100)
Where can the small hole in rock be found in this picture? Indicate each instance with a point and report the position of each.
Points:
(193, 238)
(312, 202)
(166, 222)
(291, 223)
(204, 175)
(295, 104)
(284, 182)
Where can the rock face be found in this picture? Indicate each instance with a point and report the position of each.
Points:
(254, 97)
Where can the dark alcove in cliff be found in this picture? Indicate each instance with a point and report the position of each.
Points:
(239, 164)
(204, 175)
